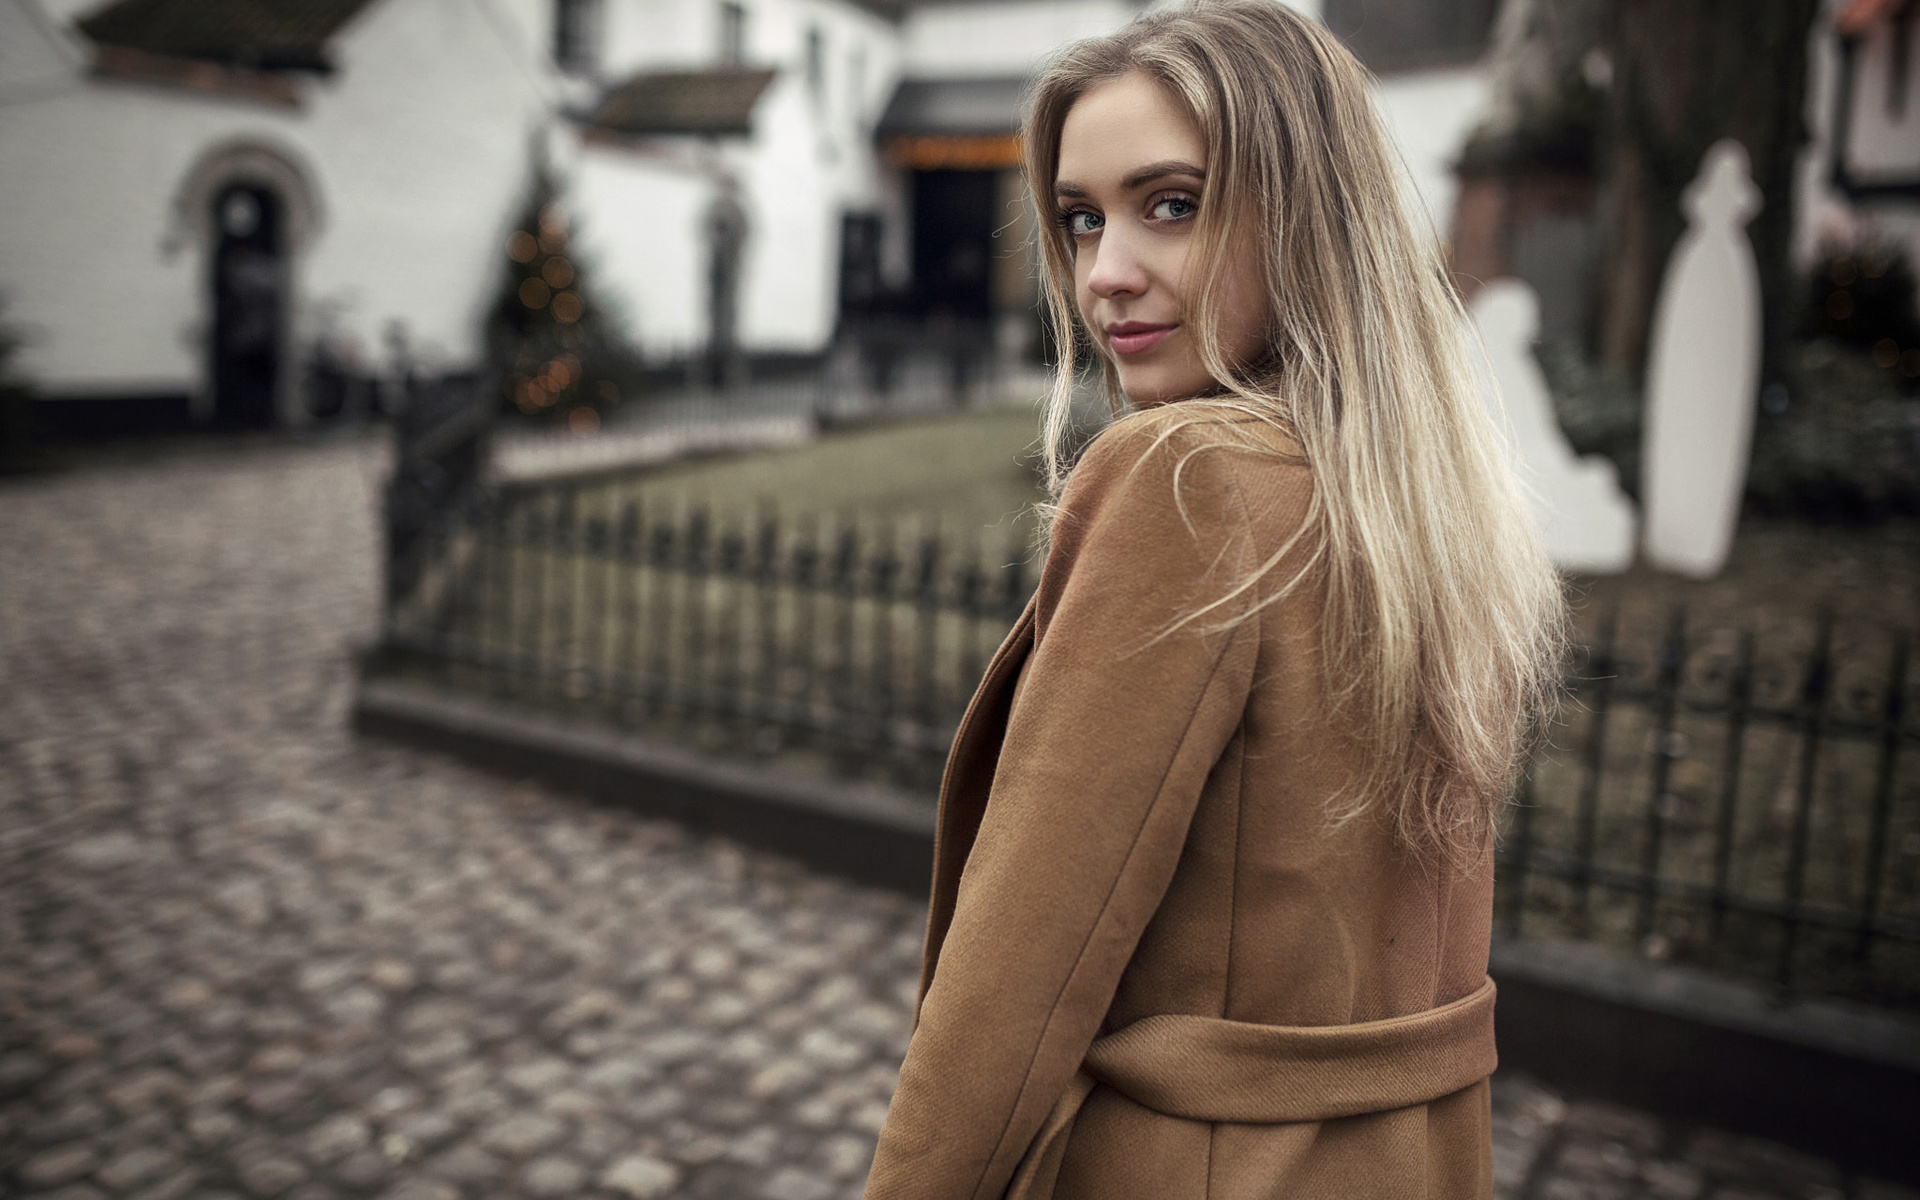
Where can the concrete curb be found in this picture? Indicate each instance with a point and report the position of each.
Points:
(866, 833)
(1838, 1080)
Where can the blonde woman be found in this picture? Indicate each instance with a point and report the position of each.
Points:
(1214, 874)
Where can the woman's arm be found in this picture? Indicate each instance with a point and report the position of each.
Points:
(1109, 743)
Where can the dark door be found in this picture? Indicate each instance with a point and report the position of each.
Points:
(860, 280)
(953, 243)
(249, 305)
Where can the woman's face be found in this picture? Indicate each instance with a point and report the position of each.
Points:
(1131, 180)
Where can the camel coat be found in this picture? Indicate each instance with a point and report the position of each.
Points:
(1154, 968)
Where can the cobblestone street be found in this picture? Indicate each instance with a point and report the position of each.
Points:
(244, 955)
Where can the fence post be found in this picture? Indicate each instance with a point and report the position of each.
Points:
(1600, 668)
(506, 531)
(1521, 859)
(846, 566)
(1892, 712)
(926, 597)
(537, 541)
(731, 576)
(806, 570)
(1810, 717)
(563, 563)
(1673, 656)
(661, 546)
(885, 570)
(442, 438)
(624, 672)
(694, 587)
(766, 577)
(1739, 705)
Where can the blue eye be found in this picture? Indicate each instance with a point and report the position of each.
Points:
(1174, 208)
(1080, 222)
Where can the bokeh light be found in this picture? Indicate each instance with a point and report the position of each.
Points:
(534, 293)
(521, 247)
(567, 308)
(583, 420)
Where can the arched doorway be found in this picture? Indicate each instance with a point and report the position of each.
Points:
(250, 280)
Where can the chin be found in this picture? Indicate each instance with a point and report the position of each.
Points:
(1146, 388)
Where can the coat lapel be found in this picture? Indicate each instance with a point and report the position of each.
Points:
(967, 782)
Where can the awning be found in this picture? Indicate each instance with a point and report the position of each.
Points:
(265, 35)
(954, 124)
(954, 106)
(714, 103)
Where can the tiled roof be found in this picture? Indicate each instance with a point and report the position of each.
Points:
(715, 102)
(287, 35)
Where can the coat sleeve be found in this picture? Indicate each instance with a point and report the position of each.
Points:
(1111, 737)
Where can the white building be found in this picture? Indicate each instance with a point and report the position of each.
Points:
(195, 195)
(357, 173)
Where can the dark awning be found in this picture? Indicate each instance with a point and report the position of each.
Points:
(283, 35)
(715, 102)
(923, 107)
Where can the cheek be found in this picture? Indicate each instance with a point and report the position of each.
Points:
(1244, 312)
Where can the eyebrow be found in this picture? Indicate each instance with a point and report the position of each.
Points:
(1144, 175)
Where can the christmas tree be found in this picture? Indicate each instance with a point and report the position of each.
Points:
(556, 351)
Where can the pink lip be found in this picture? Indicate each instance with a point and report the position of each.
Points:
(1136, 337)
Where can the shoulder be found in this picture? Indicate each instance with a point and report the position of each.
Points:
(1198, 459)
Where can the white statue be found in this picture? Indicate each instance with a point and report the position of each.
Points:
(1702, 370)
(1585, 522)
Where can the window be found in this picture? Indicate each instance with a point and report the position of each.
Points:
(575, 32)
(857, 86)
(817, 68)
(733, 34)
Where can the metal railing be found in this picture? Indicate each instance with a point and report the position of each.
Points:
(1703, 798)
(1709, 801)
(754, 636)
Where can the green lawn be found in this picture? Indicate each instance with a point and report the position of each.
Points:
(968, 475)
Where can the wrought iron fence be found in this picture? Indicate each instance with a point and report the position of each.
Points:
(755, 636)
(1704, 798)
(1708, 800)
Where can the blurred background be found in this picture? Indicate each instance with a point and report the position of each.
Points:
(504, 502)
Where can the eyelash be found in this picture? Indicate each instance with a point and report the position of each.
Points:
(1064, 218)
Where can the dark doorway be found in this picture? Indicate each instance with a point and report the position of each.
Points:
(861, 284)
(953, 214)
(249, 305)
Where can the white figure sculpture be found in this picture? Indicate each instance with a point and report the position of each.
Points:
(1585, 522)
(1702, 368)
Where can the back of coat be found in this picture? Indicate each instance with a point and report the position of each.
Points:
(1137, 833)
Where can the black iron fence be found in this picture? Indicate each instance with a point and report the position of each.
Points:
(1714, 800)
(755, 635)
(1705, 798)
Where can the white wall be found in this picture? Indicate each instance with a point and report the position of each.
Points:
(1826, 217)
(638, 224)
(423, 142)
(416, 149)
(805, 164)
(1430, 114)
(1001, 37)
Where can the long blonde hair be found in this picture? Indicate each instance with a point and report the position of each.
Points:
(1443, 621)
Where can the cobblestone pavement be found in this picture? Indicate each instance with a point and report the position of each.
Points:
(242, 955)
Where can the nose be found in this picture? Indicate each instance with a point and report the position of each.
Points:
(1117, 270)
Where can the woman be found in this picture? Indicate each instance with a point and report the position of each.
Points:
(1213, 881)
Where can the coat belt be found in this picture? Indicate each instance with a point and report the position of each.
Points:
(1205, 1069)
